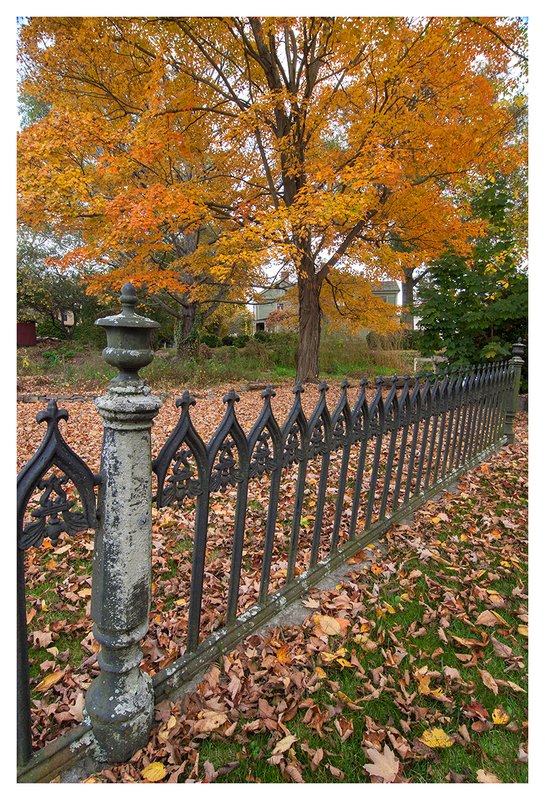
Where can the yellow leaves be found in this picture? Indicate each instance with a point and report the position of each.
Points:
(283, 655)
(436, 738)
(500, 717)
(423, 683)
(321, 673)
(49, 680)
(154, 772)
(338, 657)
(384, 609)
(164, 733)
(523, 630)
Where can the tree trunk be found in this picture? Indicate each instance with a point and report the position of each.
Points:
(188, 323)
(407, 297)
(186, 346)
(309, 329)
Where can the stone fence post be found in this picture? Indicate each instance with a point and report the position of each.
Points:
(120, 701)
(512, 400)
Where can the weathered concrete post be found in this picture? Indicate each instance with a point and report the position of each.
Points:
(512, 401)
(120, 700)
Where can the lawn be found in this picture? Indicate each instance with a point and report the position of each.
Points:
(412, 669)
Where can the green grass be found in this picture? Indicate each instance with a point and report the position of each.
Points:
(76, 366)
(494, 751)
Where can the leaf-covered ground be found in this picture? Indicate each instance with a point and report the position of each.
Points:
(395, 617)
(413, 669)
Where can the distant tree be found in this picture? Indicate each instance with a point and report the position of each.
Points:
(475, 308)
(45, 292)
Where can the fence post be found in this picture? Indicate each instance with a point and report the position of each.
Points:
(120, 701)
(512, 399)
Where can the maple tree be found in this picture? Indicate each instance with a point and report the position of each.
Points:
(321, 143)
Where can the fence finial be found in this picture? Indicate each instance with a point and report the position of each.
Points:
(128, 339)
(518, 348)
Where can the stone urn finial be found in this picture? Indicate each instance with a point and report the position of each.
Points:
(128, 337)
(518, 349)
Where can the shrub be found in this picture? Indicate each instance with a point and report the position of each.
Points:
(210, 339)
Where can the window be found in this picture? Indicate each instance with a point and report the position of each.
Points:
(280, 306)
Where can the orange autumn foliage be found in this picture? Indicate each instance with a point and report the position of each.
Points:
(327, 144)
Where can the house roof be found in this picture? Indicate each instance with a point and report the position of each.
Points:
(386, 286)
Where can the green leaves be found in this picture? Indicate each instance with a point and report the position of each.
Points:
(476, 307)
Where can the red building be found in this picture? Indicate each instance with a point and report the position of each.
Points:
(26, 334)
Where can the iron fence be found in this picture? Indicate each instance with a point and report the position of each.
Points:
(372, 461)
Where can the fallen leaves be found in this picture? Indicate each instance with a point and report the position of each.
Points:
(154, 772)
(489, 681)
(436, 737)
(487, 777)
(488, 618)
(49, 680)
(297, 672)
(383, 765)
(500, 717)
(284, 744)
(330, 626)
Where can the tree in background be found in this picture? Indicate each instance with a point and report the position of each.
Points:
(475, 308)
(325, 144)
(45, 292)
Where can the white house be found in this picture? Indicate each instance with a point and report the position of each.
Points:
(272, 299)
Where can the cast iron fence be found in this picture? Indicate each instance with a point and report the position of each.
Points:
(374, 461)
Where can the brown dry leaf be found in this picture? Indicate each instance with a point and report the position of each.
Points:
(76, 709)
(316, 759)
(486, 618)
(331, 626)
(385, 765)
(452, 673)
(487, 777)
(154, 772)
(49, 680)
(294, 773)
(502, 650)
(489, 681)
(284, 744)
(41, 638)
(209, 721)
(470, 642)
